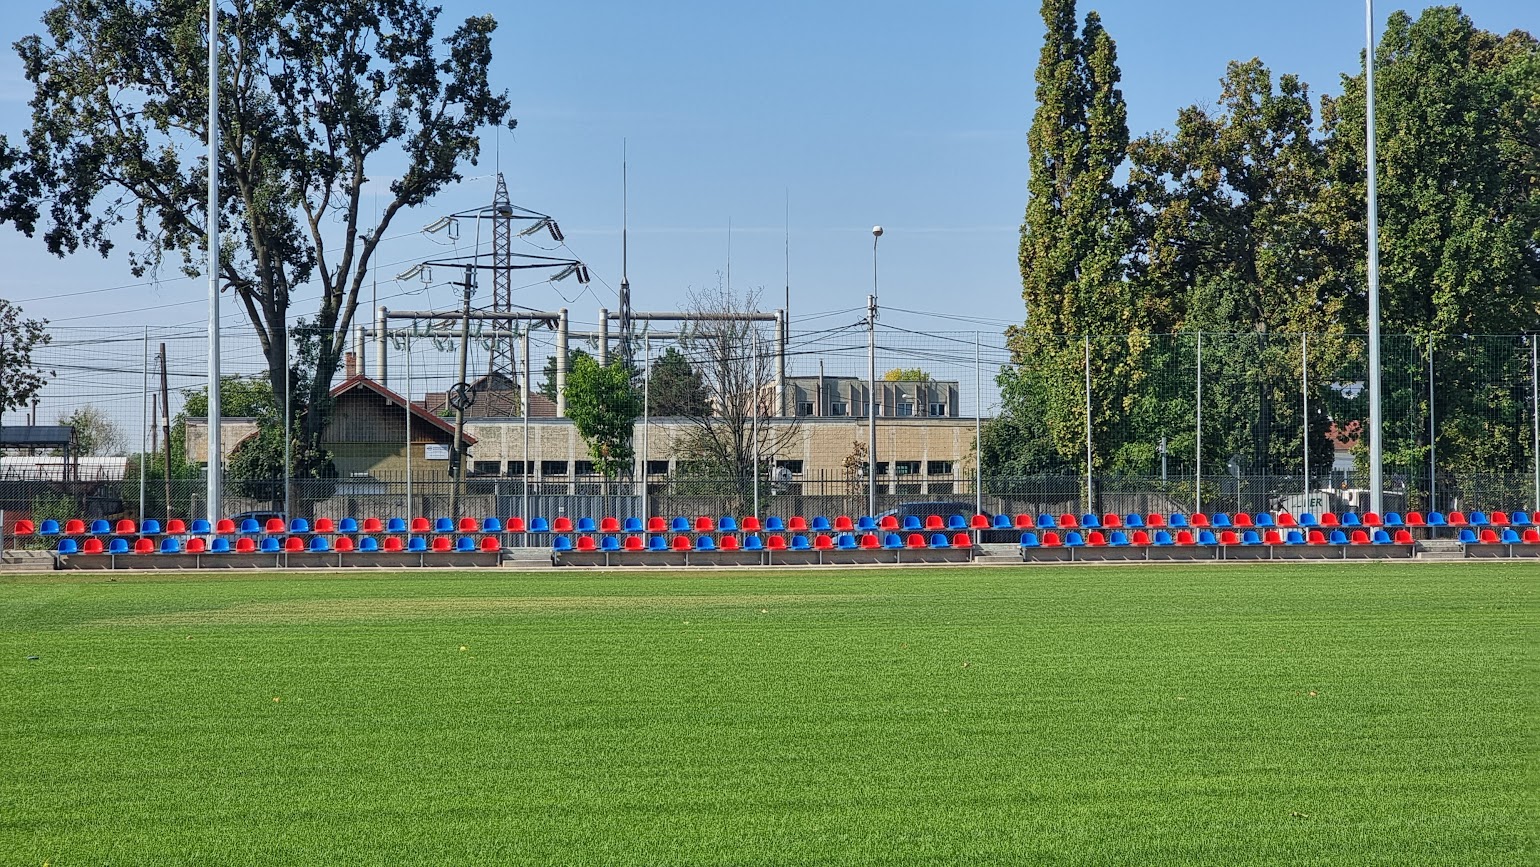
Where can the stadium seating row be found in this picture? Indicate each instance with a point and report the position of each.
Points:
(1274, 536)
(754, 542)
(273, 545)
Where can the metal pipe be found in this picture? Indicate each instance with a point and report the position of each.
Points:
(457, 451)
(978, 429)
(1197, 485)
(407, 404)
(381, 365)
(144, 428)
(1376, 437)
(1090, 499)
(528, 375)
(754, 422)
(1304, 397)
(1534, 409)
(646, 412)
(780, 362)
(561, 364)
(677, 316)
(216, 455)
(1432, 433)
(604, 337)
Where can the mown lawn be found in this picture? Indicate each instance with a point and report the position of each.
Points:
(1274, 714)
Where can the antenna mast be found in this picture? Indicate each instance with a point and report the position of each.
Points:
(625, 282)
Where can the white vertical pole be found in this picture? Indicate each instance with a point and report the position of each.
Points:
(288, 458)
(527, 471)
(216, 450)
(1197, 485)
(1089, 499)
(406, 391)
(1376, 437)
(1432, 433)
(1304, 398)
(144, 426)
(754, 424)
(646, 419)
(978, 431)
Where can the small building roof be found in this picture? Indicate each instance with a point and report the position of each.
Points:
(391, 398)
(36, 436)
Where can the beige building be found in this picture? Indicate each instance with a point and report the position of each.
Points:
(849, 396)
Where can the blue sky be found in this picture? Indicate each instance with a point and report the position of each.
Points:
(911, 115)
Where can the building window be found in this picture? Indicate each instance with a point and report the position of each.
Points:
(906, 408)
(794, 467)
(805, 408)
(657, 468)
(882, 468)
(938, 468)
(839, 408)
(583, 468)
(906, 468)
(553, 468)
(516, 468)
(938, 409)
(486, 468)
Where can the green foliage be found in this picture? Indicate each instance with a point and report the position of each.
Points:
(906, 374)
(1246, 716)
(20, 379)
(95, 433)
(603, 407)
(316, 98)
(675, 388)
(547, 385)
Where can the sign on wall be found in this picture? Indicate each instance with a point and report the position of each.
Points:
(435, 452)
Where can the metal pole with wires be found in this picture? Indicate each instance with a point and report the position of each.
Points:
(1304, 399)
(407, 405)
(871, 384)
(1376, 437)
(215, 505)
(144, 427)
(1534, 409)
(1197, 477)
(754, 423)
(1090, 500)
(978, 430)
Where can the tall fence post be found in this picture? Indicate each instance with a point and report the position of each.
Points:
(1304, 397)
(1534, 410)
(978, 430)
(407, 405)
(1089, 494)
(1197, 483)
(144, 427)
(1432, 434)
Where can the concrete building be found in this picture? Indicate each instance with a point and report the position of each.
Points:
(850, 396)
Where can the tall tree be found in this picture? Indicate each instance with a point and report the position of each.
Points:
(1074, 239)
(675, 388)
(20, 379)
(603, 407)
(313, 95)
(1458, 116)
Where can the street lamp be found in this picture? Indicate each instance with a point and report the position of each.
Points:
(871, 385)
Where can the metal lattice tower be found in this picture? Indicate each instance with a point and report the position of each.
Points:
(504, 356)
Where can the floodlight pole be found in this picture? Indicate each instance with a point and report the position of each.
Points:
(215, 504)
(1534, 410)
(457, 454)
(1304, 399)
(1376, 467)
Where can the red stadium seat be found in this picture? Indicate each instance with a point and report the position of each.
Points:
(681, 543)
(24, 527)
(1359, 537)
(1095, 539)
(1404, 537)
(634, 543)
(704, 524)
(275, 525)
(822, 542)
(92, 545)
(1499, 519)
(392, 543)
(1228, 537)
(584, 543)
(1241, 520)
(749, 524)
(245, 545)
(656, 524)
(344, 544)
(843, 523)
(979, 522)
(466, 524)
(293, 544)
(562, 524)
(1272, 537)
(1068, 522)
(915, 540)
(1489, 536)
(176, 526)
(1184, 537)
(775, 543)
(934, 522)
(870, 541)
(1415, 519)
(1531, 536)
(144, 546)
(224, 527)
(1456, 519)
(1051, 539)
(1112, 521)
(321, 525)
(125, 527)
(729, 543)
(609, 524)
(797, 524)
(962, 540)
(888, 522)
(514, 524)
(196, 546)
(74, 527)
(1025, 522)
(1372, 519)
(372, 525)
(1286, 520)
(1316, 537)
(1198, 520)
(1141, 538)
(1330, 519)
(1155, 520)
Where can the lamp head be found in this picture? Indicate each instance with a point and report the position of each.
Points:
(876, 231)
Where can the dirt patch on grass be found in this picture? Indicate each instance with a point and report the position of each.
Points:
(300, 611)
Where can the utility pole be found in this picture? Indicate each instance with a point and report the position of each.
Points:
(871, 377)
(461, 396)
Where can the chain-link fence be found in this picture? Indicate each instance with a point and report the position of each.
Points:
(1089, 424)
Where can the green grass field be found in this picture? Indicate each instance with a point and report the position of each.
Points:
(1312, 714)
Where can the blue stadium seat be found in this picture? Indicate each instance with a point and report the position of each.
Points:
(1162, 538)
(465, 543)
(609, 543)
(347, 525)
(774, 524)
(1250, 537)
(1394, 519)
(1294, 537)
(299, 525)
(200, 527)
(100, 526)
(1381, 537)
(705, 543)
(1337, 537)
(1352, 519)
(1264, 520)
(68, 546)
(319, 545)
(1118, 539)
(911, 523)
(866, 524)
(1046, 521)
(491, 525)
(1308, 519)
(846, 542)
(270, 545)
(50, 527)
(1467, 536)
(539, 525)
(633, 525)
(1511, 536)
(585, 525)
(753, 543)
(562, 543)
(1178, 521)
(1133, 521)
(368, 543)
(820, 523)
(418, 543)
(955, 523)
(170, 545)
(1029, 540)
(1519, 519)
(939, 540)
(799, 543)
(728, 524)
(117, 546)
(892, 541)
(219, 546)
(150, 527)
(1478, 518)
(249, 526)
(657, 543)
(1072, 539)
(1437, 519)
(1206, 537)
(395, 525)
(679, 525)
(1220, 521)
(1090, 522)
